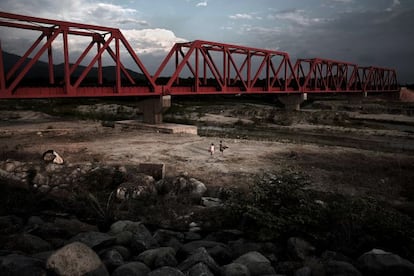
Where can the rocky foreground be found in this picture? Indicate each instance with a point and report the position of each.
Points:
(38, 247)
(50, 243)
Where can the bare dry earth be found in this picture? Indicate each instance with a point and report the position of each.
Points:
(25, 135)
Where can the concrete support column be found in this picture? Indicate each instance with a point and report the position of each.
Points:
(154, 107)
(292, 101)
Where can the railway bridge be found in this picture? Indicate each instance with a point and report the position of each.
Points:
(191, 68)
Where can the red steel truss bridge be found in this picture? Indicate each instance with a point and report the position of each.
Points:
(197, 67)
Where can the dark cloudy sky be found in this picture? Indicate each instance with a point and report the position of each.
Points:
(366, 32)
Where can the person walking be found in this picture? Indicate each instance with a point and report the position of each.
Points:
(222, 147)
(211, 149)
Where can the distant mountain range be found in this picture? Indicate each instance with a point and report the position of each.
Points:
(39, 71)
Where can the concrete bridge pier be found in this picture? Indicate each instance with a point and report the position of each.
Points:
(292, 101)
(153, 108)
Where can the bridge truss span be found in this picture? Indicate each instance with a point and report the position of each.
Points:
(56, 36)
(209, 67)
(319, 75)
(196, 67)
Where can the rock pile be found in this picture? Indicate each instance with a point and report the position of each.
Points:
(67, 246)
(61, 180)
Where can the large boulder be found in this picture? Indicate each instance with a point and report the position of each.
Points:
(123, 238)
(124, 251)
(164, 235)
(200, 269)
(10, 224)
(217, 250)
(61, 228)
(26, 243)
(380, 262)
(199, 256)
(141, 239)
(158, 257)
(168, 238)
(242, 246)
(120, 225)
(256, 263)
(235, 269)
(166, 270)
(112, 259)
(74, 226)
(341, 268)
(305, 271)
(15, 264)
(76, 259)
(95, 240)
(299, 249)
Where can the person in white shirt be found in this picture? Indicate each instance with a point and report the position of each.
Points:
(211, 150)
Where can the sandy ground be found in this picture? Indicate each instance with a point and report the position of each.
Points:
(86, 141)
(389, 176)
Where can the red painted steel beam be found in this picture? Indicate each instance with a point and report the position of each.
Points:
(227, 68)
(326, 75)
(106, 39)
(378, 79)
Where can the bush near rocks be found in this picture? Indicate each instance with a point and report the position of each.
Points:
(280, 206)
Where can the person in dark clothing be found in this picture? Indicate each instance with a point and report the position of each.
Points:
(222, 147)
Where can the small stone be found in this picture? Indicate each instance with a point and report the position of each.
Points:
(131, 269)
(211, 202)
(44, 189)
